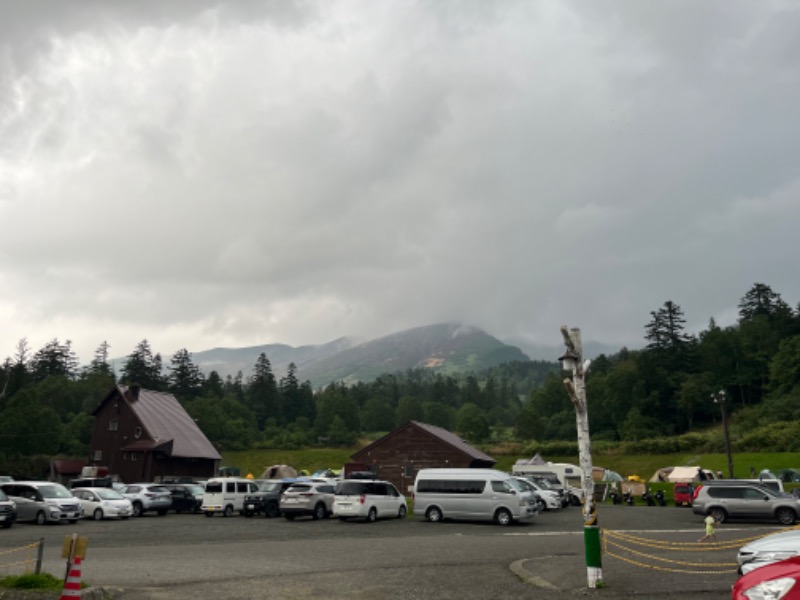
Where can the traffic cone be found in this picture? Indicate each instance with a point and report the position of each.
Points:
(72, 586)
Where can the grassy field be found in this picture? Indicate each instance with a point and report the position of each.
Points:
(311, 459)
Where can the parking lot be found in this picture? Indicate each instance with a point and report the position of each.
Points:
(194, 556)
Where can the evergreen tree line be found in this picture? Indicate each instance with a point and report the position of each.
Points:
(47, 400)
(667, 388)
(664, 389)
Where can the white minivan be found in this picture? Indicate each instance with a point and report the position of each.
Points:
(225, 495)
(471, 494)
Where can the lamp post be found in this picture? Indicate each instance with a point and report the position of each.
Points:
(721, 398)
(571, 360)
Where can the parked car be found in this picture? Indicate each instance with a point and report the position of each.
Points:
(8, 511)
(148, 497)
(777, 580)
(367, 499)
(6, 478)
(43, 501)
(768, 549)
(682, 494)
(550, 499)
(91, 482)
(186, 497)
(266, 500)
(745, 500)
(312, 498)
(103, 502)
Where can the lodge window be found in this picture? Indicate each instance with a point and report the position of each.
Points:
(137, 433)
(97, 455)
(113, 425)
(134, 456)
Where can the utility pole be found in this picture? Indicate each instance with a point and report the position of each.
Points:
(721, 398)
(572, 360)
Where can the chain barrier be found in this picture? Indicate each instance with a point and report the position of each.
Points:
(27, 563)
(626, 542)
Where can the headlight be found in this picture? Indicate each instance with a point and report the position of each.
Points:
(771, 590)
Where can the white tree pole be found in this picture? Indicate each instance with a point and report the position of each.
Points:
(576, 388)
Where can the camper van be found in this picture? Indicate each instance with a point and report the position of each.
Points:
(471, 494)
(225, 495)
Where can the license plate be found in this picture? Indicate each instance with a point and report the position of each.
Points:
(251, 506)
(290, 501)
(2, 517)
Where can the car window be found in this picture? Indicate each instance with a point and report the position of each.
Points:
(109, 494)
(54, 491)
(391, 490)
(269, 486)
(351, 488)
(3, 497)
(754, 494)
(132, 489)
(214, 487)
(501, 487)
(159, 489)
(242, 487)
(298, 488)
(325, 489)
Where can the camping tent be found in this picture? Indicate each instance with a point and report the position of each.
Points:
(686, 474)
(278, 472)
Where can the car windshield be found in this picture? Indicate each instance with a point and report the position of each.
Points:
(195, 490)
(516, 484)
(3, 496)
(269, 486)
(299, 488)
(159, 489)
(54, 491)
(109, 494)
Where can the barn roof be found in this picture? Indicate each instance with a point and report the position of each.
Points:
(165, 420)
(443, 435)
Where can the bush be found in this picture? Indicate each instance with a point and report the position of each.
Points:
(31, 581)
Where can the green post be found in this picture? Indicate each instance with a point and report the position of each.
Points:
(591, 538)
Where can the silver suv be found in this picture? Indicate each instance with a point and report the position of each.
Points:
(43, 501)
(148, 497)
(738, 499)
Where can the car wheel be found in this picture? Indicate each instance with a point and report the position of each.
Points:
(124, 518)
(434, 515)
(98, 514)
(162, 512)
(719, 514)
(372, 515)
(785, 516)
(72, 521)
(503, 517)
(319, 512)
(272, 510)
(228, 512)
(401, 514)
(41, 518)
(8, 524)
(209, 514)
(541, 506)
(137, 509)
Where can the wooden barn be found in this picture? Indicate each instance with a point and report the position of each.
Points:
(142, 435)
(398, 455)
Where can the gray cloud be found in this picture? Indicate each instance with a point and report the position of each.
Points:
(201, 175)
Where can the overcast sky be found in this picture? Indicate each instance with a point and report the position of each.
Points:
(203, 174)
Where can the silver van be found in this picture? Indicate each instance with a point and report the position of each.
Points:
(43, 501)
(472, 494)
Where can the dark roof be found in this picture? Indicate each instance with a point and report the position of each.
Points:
(68, 467)
(165, 420)
(449, 438)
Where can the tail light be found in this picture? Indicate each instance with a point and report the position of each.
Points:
(696, 491)
(306, 494)
(362, 499)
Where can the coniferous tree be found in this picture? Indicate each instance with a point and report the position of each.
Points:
(185, 378)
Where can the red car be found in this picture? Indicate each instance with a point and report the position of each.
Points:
(776, 581)
(683, 493)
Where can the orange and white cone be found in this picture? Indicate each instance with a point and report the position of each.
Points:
(72, 586)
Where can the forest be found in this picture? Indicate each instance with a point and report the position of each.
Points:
(657, 397)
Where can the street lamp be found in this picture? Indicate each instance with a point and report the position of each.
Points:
(721, 398)
(571, 361)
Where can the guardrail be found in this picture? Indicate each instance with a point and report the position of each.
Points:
(28, 559)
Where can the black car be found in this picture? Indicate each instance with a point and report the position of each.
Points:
(186, 497)
(266, 501)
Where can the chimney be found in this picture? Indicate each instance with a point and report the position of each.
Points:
(134, 391)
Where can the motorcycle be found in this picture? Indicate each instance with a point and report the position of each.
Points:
(648, 498)
(615, 499)
(662, 501)
(627, 498)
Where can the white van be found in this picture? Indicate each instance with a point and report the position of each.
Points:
(225, 495)
(471, 494)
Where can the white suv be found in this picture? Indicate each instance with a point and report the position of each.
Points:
(148, 497)
(368, 499)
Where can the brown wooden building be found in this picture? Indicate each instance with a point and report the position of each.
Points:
(142, 435)
(398, 455)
